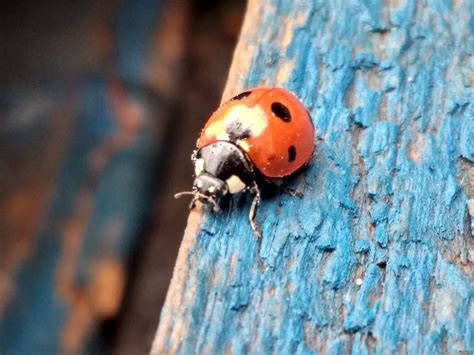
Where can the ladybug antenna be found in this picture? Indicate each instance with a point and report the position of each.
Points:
(183, 193)
(196, 196)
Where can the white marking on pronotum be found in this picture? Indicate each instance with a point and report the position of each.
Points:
(243, 144)
(235, 184)
(199, 166)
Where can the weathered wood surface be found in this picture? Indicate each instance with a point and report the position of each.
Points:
(77, 161)
(377, 257)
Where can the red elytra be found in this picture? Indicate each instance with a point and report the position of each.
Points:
(270, 124)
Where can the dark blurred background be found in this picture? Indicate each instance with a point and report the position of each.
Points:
(100, 106)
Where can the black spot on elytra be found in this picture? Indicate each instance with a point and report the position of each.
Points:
(236, 131)
(281, 111)
(291, 153)
(241, 96)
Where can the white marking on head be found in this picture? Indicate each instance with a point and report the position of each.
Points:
(234, 184)
(211, 189)
(198, 166)
(199, 184)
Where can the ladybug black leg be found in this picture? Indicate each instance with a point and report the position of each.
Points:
(288, 190)
(207, 199)
(253, 211)
(192, 204)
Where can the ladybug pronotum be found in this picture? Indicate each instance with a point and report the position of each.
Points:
(263, 131)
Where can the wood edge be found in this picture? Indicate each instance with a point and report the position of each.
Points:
(235, 81)
(241, 60)
(176, 289)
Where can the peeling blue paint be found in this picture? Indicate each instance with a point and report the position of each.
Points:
(374, 257)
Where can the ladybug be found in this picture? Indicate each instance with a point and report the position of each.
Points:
(263, 132)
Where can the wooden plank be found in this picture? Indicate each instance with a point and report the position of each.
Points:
(378, 255)
(76, 198)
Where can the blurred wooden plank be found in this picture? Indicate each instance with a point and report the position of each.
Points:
(88, 177)
(378, 254)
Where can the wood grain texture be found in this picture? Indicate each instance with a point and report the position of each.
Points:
(377, 257)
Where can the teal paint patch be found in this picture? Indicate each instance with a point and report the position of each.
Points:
(367, 259)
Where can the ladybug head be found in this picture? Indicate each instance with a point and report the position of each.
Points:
(206, 189)
(209, 185)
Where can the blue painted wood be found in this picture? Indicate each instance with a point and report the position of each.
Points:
(378, 255)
